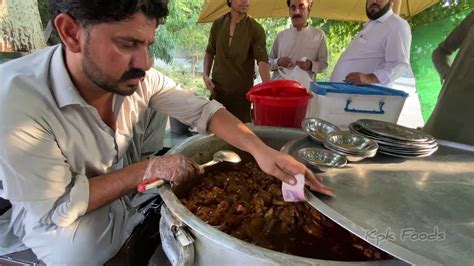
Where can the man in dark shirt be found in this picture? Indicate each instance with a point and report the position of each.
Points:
(235, 42)
(452, 118)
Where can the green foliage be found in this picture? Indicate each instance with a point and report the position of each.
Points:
(182, 32)
(442, 10)
(195, 85)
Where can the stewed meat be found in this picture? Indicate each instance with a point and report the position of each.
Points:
(247, 204)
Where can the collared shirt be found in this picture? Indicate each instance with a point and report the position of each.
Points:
(381, 48)
(234, 64)
(52, 141)
(309, 43)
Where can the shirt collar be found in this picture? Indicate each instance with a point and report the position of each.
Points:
(384, 18)
(293, 28)
(61, 84)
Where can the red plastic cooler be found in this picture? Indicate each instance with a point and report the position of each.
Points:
(279, 103)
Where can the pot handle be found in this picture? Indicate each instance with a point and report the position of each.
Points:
(176, 241)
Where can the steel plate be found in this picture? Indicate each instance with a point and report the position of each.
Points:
(393, 131)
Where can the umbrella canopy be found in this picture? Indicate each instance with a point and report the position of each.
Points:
(353, 10)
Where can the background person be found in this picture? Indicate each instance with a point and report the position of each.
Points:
(236, 41)
(299, 41)
(452, 117)
(380, 53)
(75, 106)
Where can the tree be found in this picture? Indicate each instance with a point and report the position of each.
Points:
(182, 32)
(20, 26)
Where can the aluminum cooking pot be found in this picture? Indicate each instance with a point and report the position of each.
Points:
(187, 240)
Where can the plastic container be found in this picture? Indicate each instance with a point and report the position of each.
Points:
(343, 103)
(281, 103)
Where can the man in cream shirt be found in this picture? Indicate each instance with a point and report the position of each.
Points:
(380, 53)
(300, 45)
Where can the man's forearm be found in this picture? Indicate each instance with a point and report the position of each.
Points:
(227, 127)
(104, 189)
(440, 59)
(264, 70)
(208, 61)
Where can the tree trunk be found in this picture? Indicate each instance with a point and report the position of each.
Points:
(193, 65)
(20, 26)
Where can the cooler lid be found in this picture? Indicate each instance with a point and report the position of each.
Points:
(322, 88)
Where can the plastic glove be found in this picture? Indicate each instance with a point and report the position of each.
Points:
(174, 168)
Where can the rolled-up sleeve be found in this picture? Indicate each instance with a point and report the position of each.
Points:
(168, 97)
(35, 173)
(397, 54)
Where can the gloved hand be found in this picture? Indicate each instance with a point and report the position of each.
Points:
(174, 168)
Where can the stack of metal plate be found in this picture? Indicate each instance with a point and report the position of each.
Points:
(353, 146)
(396, 140)
(318, 129)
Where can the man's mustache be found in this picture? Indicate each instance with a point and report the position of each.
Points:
(297, 16)
(372, 5)
(133, 74)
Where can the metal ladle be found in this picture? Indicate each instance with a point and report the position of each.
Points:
(219, 156)
(222, 156)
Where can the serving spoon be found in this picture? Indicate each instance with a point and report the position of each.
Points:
(219, 156)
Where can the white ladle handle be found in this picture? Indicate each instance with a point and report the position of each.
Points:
(209, 163)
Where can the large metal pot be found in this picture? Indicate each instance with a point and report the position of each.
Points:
(187, 240)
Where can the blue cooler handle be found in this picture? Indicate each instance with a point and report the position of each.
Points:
(353, 110)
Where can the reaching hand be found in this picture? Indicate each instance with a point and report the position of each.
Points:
(284, 167)
(305, 65)
(284, 62)
(174, 168)
(208, 82)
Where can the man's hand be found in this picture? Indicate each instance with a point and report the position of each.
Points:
(208, 82)
(284, 62)
(174, 168)
(358, 78)
(305, 65)
(284, 167)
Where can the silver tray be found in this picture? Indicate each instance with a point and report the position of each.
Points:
(393, 202)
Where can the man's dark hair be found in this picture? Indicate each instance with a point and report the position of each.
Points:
(310, 2)
(88, 13)
(229, 2)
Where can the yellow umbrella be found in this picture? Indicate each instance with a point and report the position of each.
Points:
(353, 10)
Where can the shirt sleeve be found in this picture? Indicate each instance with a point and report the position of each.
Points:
(168, 97)
(35, 173)
(273, 57)
(211, 45)
(397, 54)
(259, 48)
(442, 54)
(321, 61)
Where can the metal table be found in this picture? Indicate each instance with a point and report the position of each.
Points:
(419, 210)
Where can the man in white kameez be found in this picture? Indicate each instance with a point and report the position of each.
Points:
(300, 45)
(380, 53)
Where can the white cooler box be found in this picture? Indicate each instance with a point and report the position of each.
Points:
(343, 103)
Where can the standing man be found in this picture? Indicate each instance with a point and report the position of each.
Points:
(67, 114)
(299, 42)
(380, 53)
(452, 118)
(236, 41)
